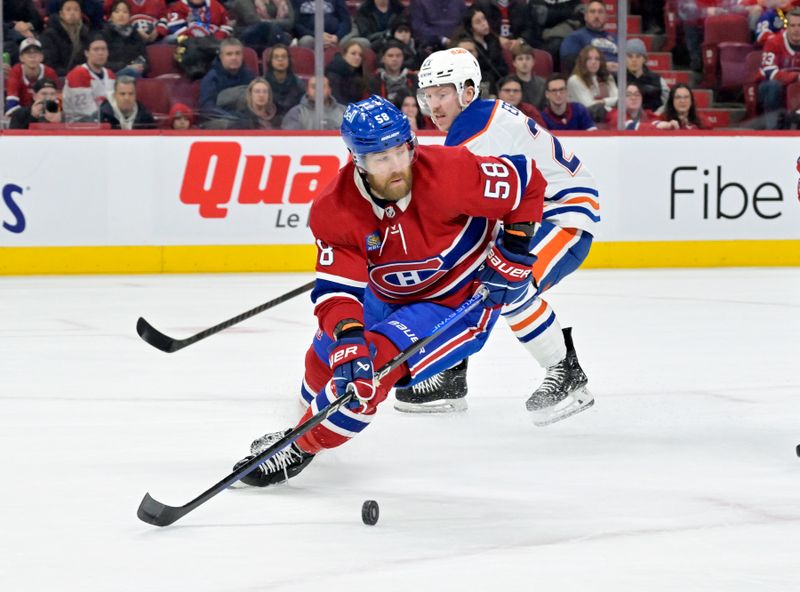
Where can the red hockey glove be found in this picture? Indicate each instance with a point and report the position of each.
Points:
(351, 362)
(507, 275)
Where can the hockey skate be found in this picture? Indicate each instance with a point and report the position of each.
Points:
(441, 393)
(563, 392)
(282, 466)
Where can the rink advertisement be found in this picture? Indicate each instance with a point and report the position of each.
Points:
(240, 203)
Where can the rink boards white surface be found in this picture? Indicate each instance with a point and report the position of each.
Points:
(682, 477)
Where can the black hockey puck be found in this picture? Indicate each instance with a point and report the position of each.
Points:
(370, 512)
(797, 450)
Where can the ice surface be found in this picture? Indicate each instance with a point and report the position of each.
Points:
(683, 476)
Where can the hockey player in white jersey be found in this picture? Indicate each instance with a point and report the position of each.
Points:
(448, 91)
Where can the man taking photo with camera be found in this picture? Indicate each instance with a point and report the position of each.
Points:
(45, 107)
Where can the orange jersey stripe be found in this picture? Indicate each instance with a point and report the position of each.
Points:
(552, 249)
(536, 314)
(576, 200)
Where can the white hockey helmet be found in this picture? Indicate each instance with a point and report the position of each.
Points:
(449, 66)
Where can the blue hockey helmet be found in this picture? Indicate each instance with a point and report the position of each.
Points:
(375, 125)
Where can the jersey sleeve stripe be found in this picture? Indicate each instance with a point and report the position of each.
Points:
(338, 279)
(553, 212)
(485, 127)
(568, 190)
(582, 200)
(521, 165)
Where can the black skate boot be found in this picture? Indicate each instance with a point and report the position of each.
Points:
(563, 391)
(441, 393)
(282, 466)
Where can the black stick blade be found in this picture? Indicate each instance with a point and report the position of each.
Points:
(155, 337)
(155, 513)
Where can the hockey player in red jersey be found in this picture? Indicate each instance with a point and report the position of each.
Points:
(448, 82)
(399, 247)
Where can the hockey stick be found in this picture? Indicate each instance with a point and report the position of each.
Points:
(169, 344)
(154, 512)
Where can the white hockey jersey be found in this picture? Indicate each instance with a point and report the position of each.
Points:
(493, 128)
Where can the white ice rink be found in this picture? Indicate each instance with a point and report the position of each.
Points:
(683, 476)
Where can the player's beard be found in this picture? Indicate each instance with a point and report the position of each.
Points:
(389, 189)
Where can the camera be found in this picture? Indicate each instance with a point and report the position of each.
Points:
(51, 106)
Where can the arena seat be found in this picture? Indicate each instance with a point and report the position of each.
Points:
(161, 60)
(731, 28)
(153, 93)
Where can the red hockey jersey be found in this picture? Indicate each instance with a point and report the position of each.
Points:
(425, 246)
(208, 19)
(19, 89)
(779, 60)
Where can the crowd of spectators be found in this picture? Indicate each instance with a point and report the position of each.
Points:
(92, 53)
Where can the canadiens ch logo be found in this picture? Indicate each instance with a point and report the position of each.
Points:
(403, 279)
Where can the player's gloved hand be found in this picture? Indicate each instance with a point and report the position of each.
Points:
(351, 362)
(506, 274)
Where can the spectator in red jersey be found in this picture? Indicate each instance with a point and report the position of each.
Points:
(407, 102)
(592, 85)
(145, 15)
(263, 23)
(22, 76)
(287, 89)
(635, 113)
(532, 85)
(346, 73)
(259, 114)
(65, 39)
(122, 110)
(475, 26)
(44, 109)
(89, 84)
(127, 53)
(392, 77)
(195, 18)
(559, 113)
(509, 89)
(780, 64)
(180, 117)
(680, 112)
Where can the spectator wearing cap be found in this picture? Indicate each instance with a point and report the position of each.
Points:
(653, 87)
(122, 110)
(127, 52)
(594, 34)
(392, 76)
(65, 38)
(532, 85)
(89, 84)
(22, 76)
(180, 117)
(375, 18)
(559, 113)
(509, 89)
(44, 108)
(401, 32)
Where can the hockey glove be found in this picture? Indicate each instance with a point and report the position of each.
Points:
(506, 274)
(351, 362)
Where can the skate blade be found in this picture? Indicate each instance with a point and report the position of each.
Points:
(577, 401)
(444, 406)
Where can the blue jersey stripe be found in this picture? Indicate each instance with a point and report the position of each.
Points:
(558, 211)
(323, 287)
(568, 190)
(539, 330)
